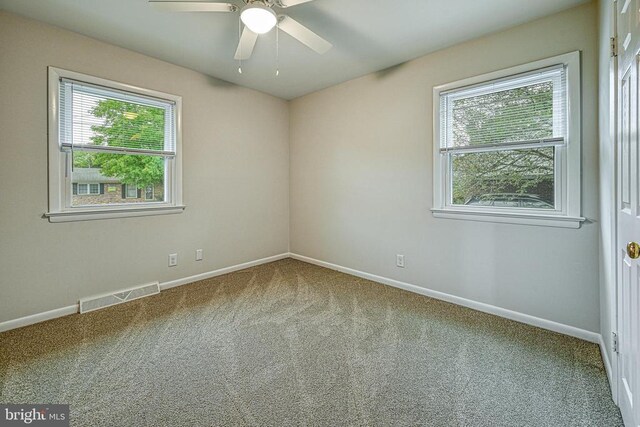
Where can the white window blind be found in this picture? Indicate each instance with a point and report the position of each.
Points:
(89, 112)
(525, 110)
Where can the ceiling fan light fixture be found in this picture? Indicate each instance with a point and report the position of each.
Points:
(258, 18)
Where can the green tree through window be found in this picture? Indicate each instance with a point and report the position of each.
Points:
(520, 114)
(127, 125)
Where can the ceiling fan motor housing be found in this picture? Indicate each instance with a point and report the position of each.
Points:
(258, 17)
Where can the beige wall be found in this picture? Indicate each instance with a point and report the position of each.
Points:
(361, 182)
(235, 177)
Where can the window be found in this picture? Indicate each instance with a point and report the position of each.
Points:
(82, 189)
(109, 132)
(507, 145)
(131, 191)
(149, 193)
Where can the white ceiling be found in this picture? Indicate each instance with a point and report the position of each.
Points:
(368, 35)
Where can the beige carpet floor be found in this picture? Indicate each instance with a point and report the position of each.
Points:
(292, 344)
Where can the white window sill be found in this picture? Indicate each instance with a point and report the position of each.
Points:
(510, 217)
(85, 214)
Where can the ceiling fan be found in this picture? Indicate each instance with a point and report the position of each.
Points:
(258, 17)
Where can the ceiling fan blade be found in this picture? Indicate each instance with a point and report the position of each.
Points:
(247, 42)
(193, 6)
(304, 35)
(289, 3)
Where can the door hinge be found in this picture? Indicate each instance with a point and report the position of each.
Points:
(614, 46)
(614, 342)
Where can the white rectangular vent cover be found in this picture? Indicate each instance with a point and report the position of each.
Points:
(95, 303)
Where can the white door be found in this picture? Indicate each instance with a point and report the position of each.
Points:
(628, 212)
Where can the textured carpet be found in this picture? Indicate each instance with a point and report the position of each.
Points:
(289, 343)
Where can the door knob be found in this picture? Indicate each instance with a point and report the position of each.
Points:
(633, 250)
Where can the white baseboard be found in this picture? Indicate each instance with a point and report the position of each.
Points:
(73, 309)
(593, 337)
(220, 272)
(498, 311)
(38, 317)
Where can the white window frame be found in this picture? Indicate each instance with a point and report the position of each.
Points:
(60, 186)
(127, 187)
(567, 162)
(88, 193)
(81, 193)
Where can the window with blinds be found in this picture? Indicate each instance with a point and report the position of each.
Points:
(115, 137)
(501, 140)
(113, 149)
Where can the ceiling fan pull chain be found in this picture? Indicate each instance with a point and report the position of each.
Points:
(277, 49)
(240, 44)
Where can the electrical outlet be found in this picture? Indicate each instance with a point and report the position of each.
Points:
(400, 261)
(173, 260)
(198, 254)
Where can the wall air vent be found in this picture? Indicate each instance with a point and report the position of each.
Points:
(102, 301)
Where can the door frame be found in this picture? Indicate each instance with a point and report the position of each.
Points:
(614, 126)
